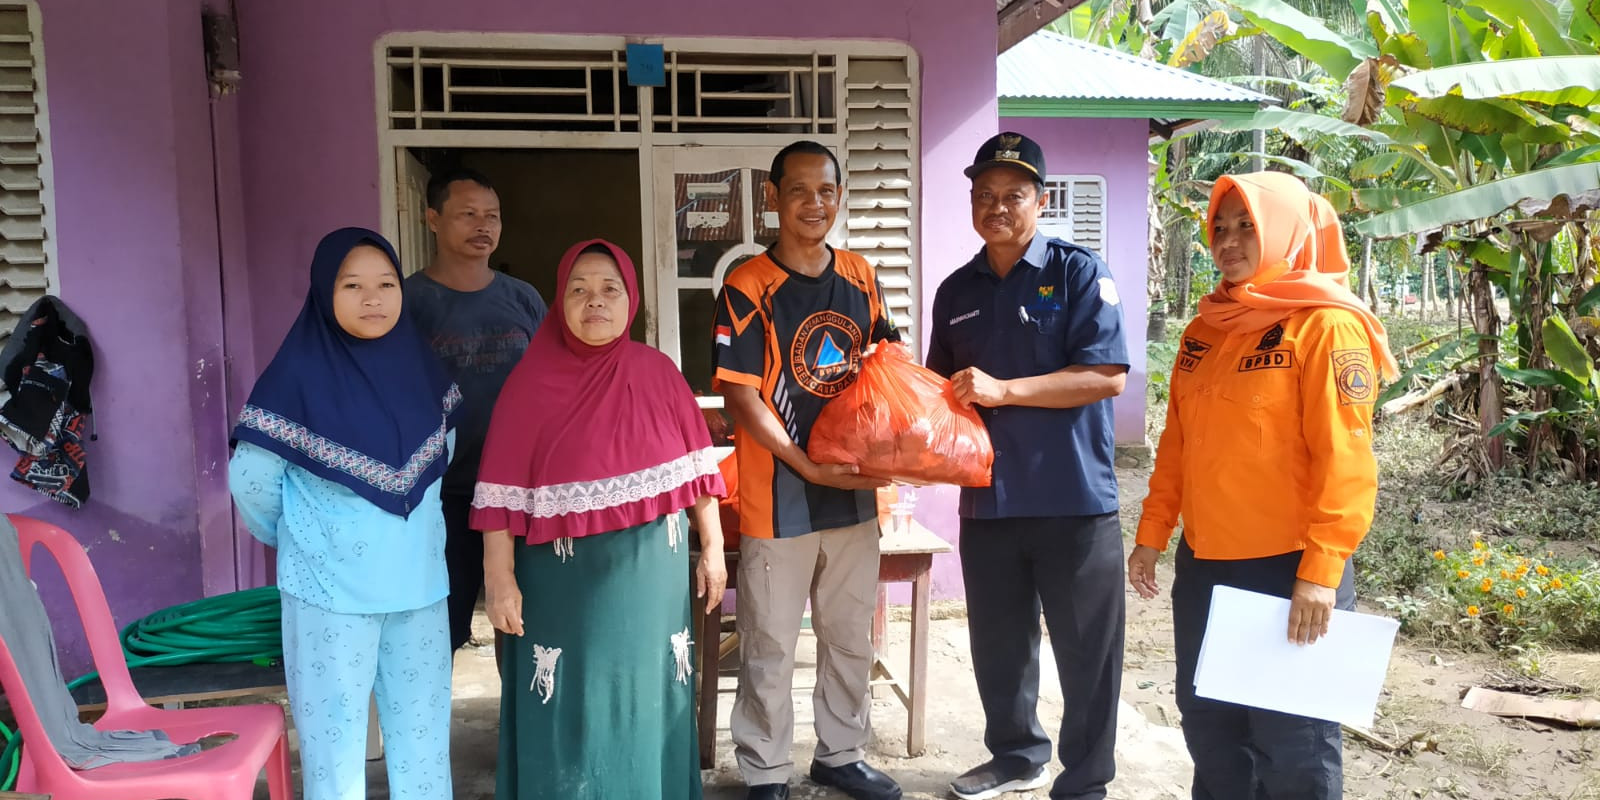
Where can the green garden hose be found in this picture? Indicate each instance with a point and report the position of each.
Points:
(228, 628)
(12, 754)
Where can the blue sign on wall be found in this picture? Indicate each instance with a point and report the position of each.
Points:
(646, 65)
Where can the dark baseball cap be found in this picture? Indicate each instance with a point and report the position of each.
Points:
(1009, 149)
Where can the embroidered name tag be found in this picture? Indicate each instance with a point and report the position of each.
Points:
(1272, 359)
(964, 317)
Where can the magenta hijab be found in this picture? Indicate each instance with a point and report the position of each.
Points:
(588, 439)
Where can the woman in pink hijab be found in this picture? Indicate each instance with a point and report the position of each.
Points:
(595, 451)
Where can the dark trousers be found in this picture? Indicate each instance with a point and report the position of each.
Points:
(1243, 753)
(463, 557)
(1071, 569)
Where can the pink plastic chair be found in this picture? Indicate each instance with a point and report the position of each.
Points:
(225, 772)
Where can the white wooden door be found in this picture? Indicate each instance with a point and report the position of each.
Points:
(415, 243)
(711, 215)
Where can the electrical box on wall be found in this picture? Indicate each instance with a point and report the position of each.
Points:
(221, 33)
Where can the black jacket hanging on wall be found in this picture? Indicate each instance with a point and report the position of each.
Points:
(47, 365)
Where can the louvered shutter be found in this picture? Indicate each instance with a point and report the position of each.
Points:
(23, 259)
(1077, 210)
(880, 167)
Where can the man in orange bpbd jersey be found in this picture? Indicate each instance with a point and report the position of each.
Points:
(791, 326)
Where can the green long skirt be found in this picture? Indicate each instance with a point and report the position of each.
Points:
(595, 701)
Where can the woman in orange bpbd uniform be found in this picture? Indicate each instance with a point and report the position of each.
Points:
(1267, 457)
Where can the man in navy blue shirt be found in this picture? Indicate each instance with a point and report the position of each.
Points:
(1030, 332)
(478, 321)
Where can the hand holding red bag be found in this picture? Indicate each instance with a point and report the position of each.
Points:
(900, 421)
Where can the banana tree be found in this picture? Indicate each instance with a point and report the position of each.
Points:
(1198, 35)
(1486, 112)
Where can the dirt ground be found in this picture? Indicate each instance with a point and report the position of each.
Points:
(1454, 753)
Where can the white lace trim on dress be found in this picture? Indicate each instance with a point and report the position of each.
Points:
(588, 496)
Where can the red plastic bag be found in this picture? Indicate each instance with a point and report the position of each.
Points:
(900, 421)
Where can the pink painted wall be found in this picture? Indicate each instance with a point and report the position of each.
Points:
(311, 149)
(184, 223)
(134, 222)
(1118, 150)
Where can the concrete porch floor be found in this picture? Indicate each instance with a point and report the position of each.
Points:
(1152, 763)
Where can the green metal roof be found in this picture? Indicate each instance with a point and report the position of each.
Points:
(1051, 75)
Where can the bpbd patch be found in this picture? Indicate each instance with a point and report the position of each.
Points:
(1271, 359)
(1352, 374)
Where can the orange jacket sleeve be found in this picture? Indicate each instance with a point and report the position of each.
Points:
(1165, 500)
(1338, 387)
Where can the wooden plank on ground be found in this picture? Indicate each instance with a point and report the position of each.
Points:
(1577, 713)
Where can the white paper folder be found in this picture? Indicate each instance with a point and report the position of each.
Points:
(1247, 658)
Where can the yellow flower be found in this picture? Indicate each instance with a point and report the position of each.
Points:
(1505, 575)
(1508, 610)
(1479, 545)
(1522, 570)
(1438, 555)
(1521, 592)
(1488, 583)
(1542, 569)
(1472, 611)
(1477, 561)
(1555, 583)
(1463, 574)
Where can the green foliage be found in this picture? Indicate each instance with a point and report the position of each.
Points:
(1421, 514)
(1507, 598)
(1159, 358)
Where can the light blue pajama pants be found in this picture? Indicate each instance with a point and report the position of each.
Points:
(334, 662)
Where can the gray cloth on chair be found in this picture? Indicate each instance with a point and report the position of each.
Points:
(27, 634)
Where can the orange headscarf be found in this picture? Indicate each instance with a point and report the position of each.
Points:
(1303, 262)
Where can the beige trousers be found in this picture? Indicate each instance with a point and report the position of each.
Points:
(838, 571)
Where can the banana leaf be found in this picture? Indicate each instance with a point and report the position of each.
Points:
(1540, 378)
(1302, 127)
(1590, 303)
(1566, 351)
(1336, 53)
(1482, 201)
(1539, 17)
(1563, 80)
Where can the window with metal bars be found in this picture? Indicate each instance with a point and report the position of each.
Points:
(435, 88)
(1076, 210)
(727, 92)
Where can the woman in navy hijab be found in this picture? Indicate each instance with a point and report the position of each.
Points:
(338, 460)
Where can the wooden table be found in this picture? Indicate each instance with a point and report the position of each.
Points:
(903, 558)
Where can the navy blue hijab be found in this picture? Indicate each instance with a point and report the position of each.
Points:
(368, 414)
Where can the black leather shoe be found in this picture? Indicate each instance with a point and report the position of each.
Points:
(859, 780)
(769, 791)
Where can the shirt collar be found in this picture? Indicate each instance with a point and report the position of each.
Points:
(1034, 257)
